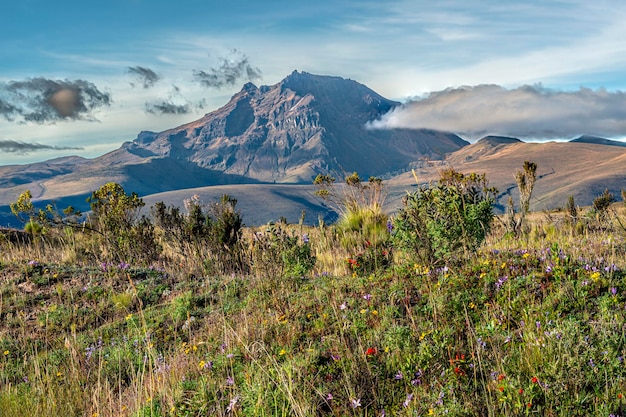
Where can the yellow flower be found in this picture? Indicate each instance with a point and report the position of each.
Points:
(201, 364)
(503, 265)
(526, 255)
(363, 311)
(374, 312)
(472, 305)
(6, 353)
(483, 274)
(431, 412)
(595, 276)
(129, 316)
(282, 352)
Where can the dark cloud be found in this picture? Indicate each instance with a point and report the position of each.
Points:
(24, 148)
(524, 112)
(230, 72)
(42, 100)
(166, 107)
(145, 76)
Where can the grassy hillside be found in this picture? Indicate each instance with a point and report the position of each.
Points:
(327, 320)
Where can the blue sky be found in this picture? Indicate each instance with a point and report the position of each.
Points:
(83, 77)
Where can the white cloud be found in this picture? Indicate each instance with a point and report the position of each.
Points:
(523, 112)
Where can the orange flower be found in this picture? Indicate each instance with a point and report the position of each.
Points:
(371, 351)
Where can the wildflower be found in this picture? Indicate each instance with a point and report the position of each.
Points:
(129, 316)
(389, 226)
(343, 306)
(305, 238)
(355, 403)
(367, 297)
(282, 352)
(230, 380)
(398, 376)
(472, 305)
(202, 365)
(595, 276)
(123, 265)
(613, 290)
(371, 351)
(374, 312)
(526, 255)
(329, 396)
(230, 356)
(232, 404)
(407, 401)
(6, 353)
(521, 391)
(534, 380)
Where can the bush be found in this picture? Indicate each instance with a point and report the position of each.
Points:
(441, 222)
(279, 252)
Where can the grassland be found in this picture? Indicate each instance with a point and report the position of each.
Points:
(527, 325)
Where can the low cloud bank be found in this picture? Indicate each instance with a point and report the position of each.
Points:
(523, 112)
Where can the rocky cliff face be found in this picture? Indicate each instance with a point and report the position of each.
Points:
(291, 131)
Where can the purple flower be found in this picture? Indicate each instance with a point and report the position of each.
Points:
(408, 400)
(398, 376)
(232, 404)
(33, 263)
(305, 238)
(367, 297)
(123, 265)
(230, 381)
(389, 226)
(355, 402)
(329, 396)
(613, 290)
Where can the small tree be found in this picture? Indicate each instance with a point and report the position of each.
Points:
(114, 217)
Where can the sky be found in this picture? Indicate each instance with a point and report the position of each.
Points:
(81, 78)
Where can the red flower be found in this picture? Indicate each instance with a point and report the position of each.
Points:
(535, 380)
(371, 351)
(521, 391)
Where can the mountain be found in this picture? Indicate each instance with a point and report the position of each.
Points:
(290, 132)
(597, 140)
(285, 133)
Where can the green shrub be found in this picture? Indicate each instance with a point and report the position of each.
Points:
(441, 222)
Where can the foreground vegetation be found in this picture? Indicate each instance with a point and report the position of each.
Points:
(441, 310)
